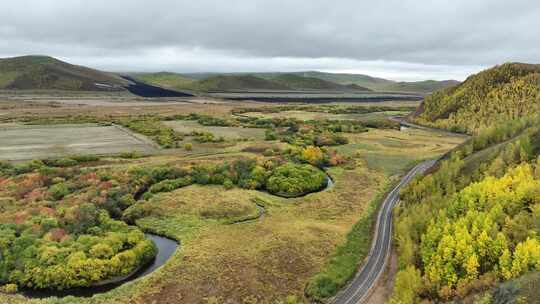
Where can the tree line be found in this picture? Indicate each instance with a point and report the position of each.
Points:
(480, 214)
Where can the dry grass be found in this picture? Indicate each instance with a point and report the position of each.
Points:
(207, 202)
(229, 133)
(306, 115)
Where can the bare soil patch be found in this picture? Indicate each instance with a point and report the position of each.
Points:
(25, 142)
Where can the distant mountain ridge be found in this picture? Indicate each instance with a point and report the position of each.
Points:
(47, 73)
(502, 93)
(310, 80)
(244, 82)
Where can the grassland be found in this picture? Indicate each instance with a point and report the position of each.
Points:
(229, 133)
(268, 258)
(306, 115)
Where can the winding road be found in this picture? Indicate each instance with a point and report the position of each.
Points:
(358, 290)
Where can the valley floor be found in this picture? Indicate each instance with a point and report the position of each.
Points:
(267, 258)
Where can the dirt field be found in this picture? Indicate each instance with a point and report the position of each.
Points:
(25, 142)
(229, 133)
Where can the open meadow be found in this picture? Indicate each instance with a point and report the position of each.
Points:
(228, 133)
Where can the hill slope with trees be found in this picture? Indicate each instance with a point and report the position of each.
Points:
(480, 221)
(496, 95)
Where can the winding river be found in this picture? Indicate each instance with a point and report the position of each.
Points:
(166, 248)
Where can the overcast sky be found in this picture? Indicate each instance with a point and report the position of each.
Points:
(397, 39)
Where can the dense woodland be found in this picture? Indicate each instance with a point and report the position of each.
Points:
(59, 216)
(503, 93)
(480, 217)
(59, 229)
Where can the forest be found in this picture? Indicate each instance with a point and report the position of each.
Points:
(57, 231)
(481, 217)
(502, 93)
(59, 218)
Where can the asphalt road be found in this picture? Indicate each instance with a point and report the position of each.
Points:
(403, 121)
(359, 289)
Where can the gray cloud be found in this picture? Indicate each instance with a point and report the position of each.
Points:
(409, 39)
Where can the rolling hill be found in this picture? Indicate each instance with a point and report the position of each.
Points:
(47, 73)
(426, 86)
(237, 83)
(310, 80)
(167, 80)
(244, 82)
(297, 82)
(502, 93)
(372, 83)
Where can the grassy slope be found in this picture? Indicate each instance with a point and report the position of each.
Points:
(238, 83)
(372, 83)
(499, 94)
(47, 73)
(286, 81)
(166, 80)
(421, 86)
(311, 83)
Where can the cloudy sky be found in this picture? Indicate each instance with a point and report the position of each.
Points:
(397, 39)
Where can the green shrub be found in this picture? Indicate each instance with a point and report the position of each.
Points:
(228, 184)
(165, 136)
(9, 288)
(85, 158)
(5, 168)
(58, 180)
(130, 155)
(135, 212)
(61, 162)
(291, 180)
(58, 191)
(28, 167)
(170, 185)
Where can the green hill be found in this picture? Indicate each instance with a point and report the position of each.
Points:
(47, 73)
(499, 94)
(426, 86)
(380, 84)
(298, 82)
(360, 80)
(221, 83)
(167, 80)
(372, 83)
(238, 83)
